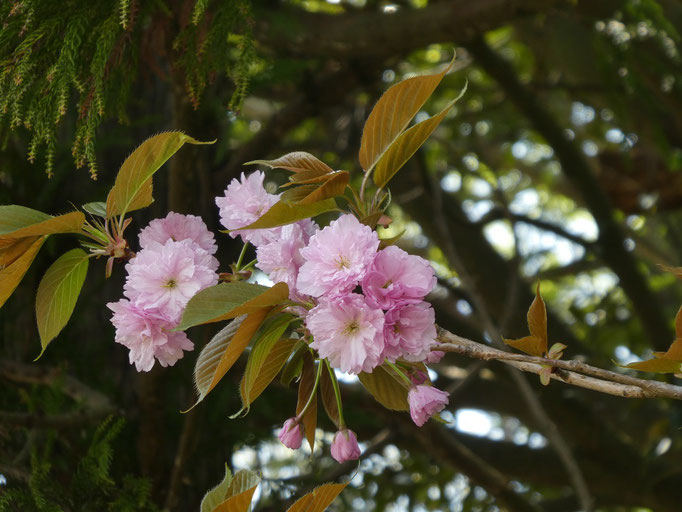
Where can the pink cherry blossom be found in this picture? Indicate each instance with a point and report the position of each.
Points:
(337, 257)
(244, 202)
(409, 332)
(434, 356)
(345, 446)
(166, 277)
(291, 435)
(147, 334)
(282, 258)
(425, 401)
(396, 277)
(178, 227)
(347, 331)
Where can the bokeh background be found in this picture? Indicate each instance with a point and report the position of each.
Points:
(561, 163)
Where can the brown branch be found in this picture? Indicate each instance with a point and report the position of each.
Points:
(291, 31)
(572, 372)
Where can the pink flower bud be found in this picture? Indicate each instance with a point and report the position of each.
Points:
(345, 446)
(424, 402)
(292, 434)
(418, 377)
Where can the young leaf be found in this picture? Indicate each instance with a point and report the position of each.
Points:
(58, 292)
(20, 222)
(98, 208)
(230, 300)
(132, 189)
(329, 398)
(11, 275)
(393, 112)
(297, 162)
(656, 365)
(284, 212)
(240, 492)
(331, 188)
(387, 388)
(271, 367)
(218, 356)
(268, 335)
(319, 499)
(305, 388)
(536, 343)
(665, 362)
(405, 145)
(216, 496)
(11, 249)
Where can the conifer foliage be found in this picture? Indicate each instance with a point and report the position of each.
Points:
(79, 60)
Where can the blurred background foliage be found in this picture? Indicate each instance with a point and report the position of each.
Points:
(561, 163)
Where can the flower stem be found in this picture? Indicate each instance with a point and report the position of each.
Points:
(399, 372)
(250, 264)
(337, 394)
(312, 393)
(364, 184)
(241, 255)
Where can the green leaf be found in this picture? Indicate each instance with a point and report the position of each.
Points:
(297, 162)
(268, 335)
(405, 145)
(293, 368)
(13, 217)
(98, 208)
(392, 113)
(20, 222)
(319, 499)
(387, 388)
(218, 356)
(58, 292)
(12, 274)
(284, 212)
(216, 496)
(273, 364)
(132, 189)
(305, 389)
(229, 300)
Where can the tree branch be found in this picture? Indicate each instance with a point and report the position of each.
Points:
(572, 372)
(291, 31)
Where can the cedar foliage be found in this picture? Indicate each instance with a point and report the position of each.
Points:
(91, 487)
(84, 58)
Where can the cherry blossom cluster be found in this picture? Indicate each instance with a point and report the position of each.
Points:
(363, 304)
(175, 262)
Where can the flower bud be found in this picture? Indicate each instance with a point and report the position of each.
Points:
(292, 434)
(424, 402)
(345, 446)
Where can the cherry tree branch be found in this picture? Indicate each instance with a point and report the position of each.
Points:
(571, 372)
